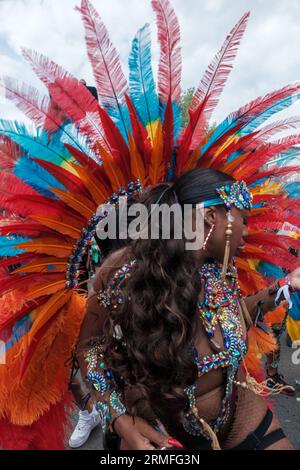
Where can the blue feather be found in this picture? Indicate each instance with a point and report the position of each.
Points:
(142, 86)
(275, 108)
(271, 271)
(293, 189)
(36, 143)
(123, 124)
(18, 330)
(35, 176)
(294, 312)
(8, 243)
(252, 124)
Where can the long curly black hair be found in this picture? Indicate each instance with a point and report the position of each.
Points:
(157, 316)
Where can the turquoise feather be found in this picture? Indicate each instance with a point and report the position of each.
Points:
(7, 245)
(253, 123)
(142, 86)
(35, 176)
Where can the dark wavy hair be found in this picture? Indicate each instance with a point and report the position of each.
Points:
(157, 316)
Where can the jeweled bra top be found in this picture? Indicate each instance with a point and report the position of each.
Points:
(219, 306)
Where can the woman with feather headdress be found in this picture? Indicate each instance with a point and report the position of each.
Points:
(61, 173)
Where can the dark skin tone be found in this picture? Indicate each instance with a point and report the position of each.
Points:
(138, 434)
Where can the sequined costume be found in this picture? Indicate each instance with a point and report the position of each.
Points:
(219, 358)
(81, 154)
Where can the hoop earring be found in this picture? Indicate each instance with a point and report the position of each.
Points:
(228, 233)
(208, 237)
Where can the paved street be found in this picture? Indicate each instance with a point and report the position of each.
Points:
(286, 408)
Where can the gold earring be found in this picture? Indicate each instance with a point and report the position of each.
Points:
(228, 234)
(208, 237)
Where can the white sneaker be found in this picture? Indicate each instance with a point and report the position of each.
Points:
(86, 423)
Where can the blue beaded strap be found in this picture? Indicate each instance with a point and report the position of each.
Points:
(105, 416)
(98, 381)
(116, 403)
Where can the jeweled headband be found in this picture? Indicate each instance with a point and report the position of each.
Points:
(236, 194)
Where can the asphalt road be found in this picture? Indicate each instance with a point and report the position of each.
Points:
(286, 408)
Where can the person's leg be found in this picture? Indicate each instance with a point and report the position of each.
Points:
(282, 443)
(272, 364)
(88, 417)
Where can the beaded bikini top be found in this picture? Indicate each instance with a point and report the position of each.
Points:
(219, 306)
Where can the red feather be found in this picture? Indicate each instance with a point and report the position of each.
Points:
(263, 154)
(250, 111)
(183, 151)
(68, 179)
(28, 205)
(79, 104)
(18, 282)
(23, 228)
(140, 134)
(170, 63)
(215, 77)
(168, 131)
(35, 342)
(14, 260)
(120, 151)
(46, 70)
(108, 74)
(275, 172)
(278, 126)
(9, 153)
(25, 310)
(36, 107)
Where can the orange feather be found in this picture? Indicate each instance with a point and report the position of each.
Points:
(71, 228)
(44, 313)
(42, 266)
(137, 165)
(47, 288)
(112, 170)
(156, 169)
(79, 203)
(96, 189)
(48, 246)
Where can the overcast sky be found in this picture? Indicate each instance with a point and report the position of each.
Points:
(269, 55)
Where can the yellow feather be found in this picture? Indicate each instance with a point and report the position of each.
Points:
(156, 165)
(137, 165)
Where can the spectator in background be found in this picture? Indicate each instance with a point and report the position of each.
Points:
(92, 89)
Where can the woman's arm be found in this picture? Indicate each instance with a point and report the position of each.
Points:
(264, 300)
(93, 362)
(136, 432)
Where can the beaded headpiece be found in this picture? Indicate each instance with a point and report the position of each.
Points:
(236, 194)
(89, 231)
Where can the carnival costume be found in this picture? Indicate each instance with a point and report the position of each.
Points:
(83, 154)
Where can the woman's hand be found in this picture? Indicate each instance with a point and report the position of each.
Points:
(137, 434)
(295, 279)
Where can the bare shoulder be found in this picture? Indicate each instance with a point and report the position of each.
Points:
(112, 263)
